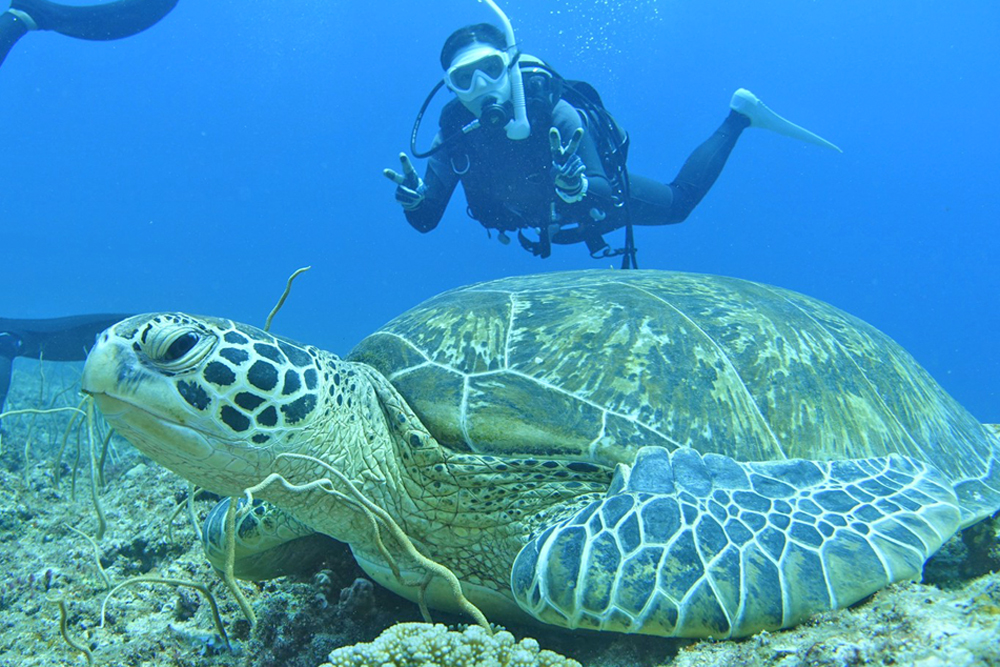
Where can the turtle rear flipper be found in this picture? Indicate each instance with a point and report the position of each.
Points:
(694, 545)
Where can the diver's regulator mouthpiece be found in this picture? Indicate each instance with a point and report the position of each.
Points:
(495, 114)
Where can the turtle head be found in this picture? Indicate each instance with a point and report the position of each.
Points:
(213, 400)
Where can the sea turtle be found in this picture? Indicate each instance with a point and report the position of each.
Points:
(633, 451)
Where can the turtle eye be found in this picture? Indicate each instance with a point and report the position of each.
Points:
(177, 348)
(181, 346)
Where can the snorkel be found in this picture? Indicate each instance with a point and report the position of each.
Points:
(518, 128)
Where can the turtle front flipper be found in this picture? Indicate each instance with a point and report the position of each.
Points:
(269, 542)
(693, 545)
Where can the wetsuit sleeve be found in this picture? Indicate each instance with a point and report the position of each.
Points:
(566, 119)
(440, 181)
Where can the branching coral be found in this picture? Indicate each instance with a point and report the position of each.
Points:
(425, 645)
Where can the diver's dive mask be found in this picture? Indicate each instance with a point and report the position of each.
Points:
(477, 71)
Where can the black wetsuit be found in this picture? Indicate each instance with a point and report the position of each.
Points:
(58, 339)
(112, 20)
(509, 185)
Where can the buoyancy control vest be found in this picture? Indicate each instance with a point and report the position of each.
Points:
(508, 183)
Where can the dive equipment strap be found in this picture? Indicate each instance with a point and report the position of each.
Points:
(540, 248)
(628, 252)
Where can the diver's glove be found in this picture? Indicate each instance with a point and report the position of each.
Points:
(10, 345)
(24, 17)
(570, 181)
(410, 188)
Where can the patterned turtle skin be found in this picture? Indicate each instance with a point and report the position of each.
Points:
(638, 451)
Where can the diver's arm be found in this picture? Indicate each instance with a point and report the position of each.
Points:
(56, 339)
(5, 372)
(112, 20)
(440, 181)
(10, 347)
(60, 338)
(13, 26)
(566, 119)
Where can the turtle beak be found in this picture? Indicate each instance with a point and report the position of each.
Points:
(128, 396)
(144, 407)
(112, 370)
(101, 372)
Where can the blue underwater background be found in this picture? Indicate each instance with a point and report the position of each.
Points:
(195, 166)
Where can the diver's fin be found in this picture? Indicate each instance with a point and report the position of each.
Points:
(761, 116)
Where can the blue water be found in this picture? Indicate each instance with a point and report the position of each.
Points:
(194, 166)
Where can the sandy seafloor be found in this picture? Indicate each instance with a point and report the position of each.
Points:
(301, 619)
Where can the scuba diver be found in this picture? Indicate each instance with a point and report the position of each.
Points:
(539, 155)
(57, 339)
(112, 20)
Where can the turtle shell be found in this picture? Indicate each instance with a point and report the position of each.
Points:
(595, 364)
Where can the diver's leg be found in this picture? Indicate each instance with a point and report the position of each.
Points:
(655, 203)
(112, 20)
